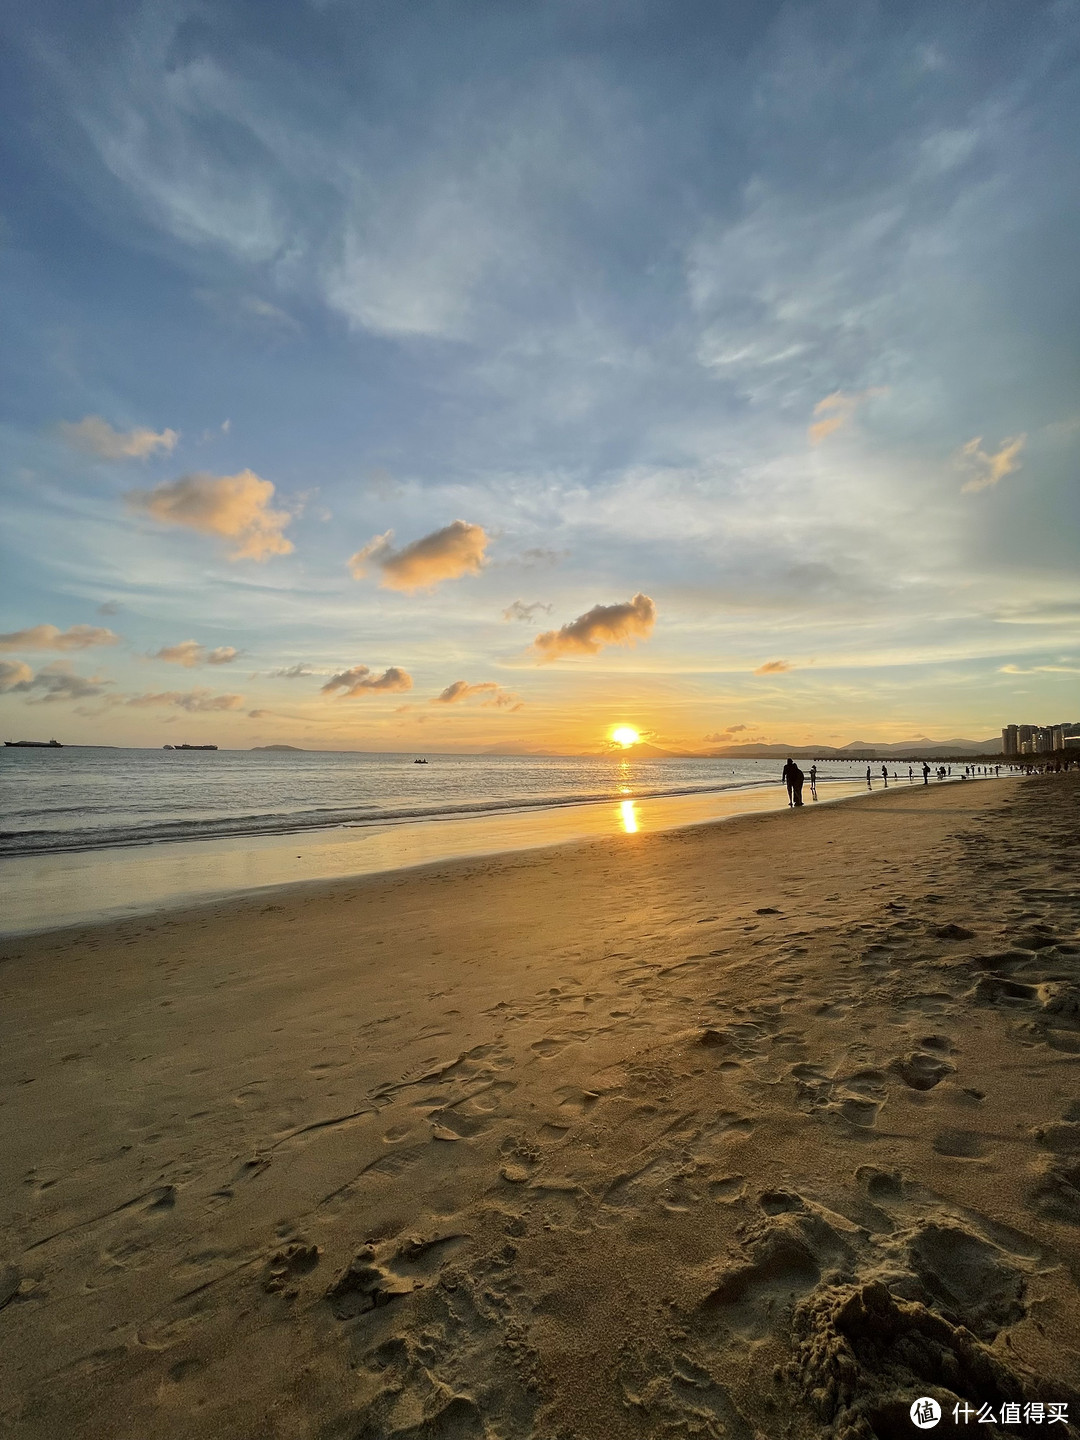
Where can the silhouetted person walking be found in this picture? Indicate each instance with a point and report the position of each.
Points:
(797, 778)
(868, 784)
(885, 775)
(925, 773)
(813, 781)
(787, 775)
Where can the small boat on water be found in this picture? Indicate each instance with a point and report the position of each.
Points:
(419, 762)
(190, 747)
(34, 744)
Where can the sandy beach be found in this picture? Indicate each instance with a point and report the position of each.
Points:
(748, 1130)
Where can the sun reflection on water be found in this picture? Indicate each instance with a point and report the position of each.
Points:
(628, 817)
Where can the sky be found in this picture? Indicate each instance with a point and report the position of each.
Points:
(486, 375)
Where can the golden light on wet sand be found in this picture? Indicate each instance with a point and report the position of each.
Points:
(629, 817)
(624, 735)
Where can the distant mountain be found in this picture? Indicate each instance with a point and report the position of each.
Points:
(297, 748)
(920, 748)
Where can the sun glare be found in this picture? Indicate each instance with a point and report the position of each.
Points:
(623, 735)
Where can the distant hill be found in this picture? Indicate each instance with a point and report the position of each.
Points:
(864, 750)
(298, 748)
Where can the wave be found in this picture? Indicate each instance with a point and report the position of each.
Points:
(47, 842)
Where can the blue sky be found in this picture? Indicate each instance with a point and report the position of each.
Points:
(764, 313)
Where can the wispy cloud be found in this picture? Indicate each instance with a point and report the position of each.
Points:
(774, 667)
(234, 507)
(497, 696)
(518, 610)
(196, 702)
(988, 467)
(294, 672)
(836, 411)
(49, 637)
(455, 550)
(362, 680)
(94, 436)
(190, 653)
(621, 624)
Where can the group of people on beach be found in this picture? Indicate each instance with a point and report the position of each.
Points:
(794, 779)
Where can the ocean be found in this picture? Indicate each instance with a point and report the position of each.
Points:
(88, 798)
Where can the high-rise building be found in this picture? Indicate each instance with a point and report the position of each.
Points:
(1010, 741)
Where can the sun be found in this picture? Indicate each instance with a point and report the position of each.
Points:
(625, 736)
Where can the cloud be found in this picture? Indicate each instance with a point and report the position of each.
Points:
(362, 680)
(773, 667)
(461, 690)
(14, 674)
(94, 436)
(48, 637)
(455, 550)
(59, 682)
(1039, 670)
(293, 672)
(195, 702)
(720, 735)
(622, 624)
(110, 607)
(837, 409)
(190, 653)
(235, 507)
(520, 611)
(988, 468)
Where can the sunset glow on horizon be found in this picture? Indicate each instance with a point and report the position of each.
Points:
(377, 383)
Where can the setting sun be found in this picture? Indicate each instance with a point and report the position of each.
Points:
(623, 735)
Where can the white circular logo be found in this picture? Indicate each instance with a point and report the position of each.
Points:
(925, 1413)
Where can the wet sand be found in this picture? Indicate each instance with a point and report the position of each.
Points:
(755, 1129)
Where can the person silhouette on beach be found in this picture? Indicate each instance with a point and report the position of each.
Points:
(925, 773)
(813, 781)
(787, 775)
(885, 775)
(869, 786)
(797, 778)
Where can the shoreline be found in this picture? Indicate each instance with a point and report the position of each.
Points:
(59, 889)
(521, 1142)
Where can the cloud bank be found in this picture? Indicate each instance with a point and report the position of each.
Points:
(622, 624)
(57, 681)
(94, 436)
(447, 554)
(195, 702)
(190, 653)
(362, 680)
(234, 507)
(14, 674)
(48, 637)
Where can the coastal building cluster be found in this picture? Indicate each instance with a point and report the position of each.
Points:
(1040, 739)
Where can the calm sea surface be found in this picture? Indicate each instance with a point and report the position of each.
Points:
(88, 798)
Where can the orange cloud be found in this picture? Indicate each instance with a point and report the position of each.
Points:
(447, 554)
(837, 409)
(362, 680)
(461, 690)
(234, 507)
(773, 667)
(94, 436)
(622, 624)
(48, 637)
(190, 653)
(988, 468)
